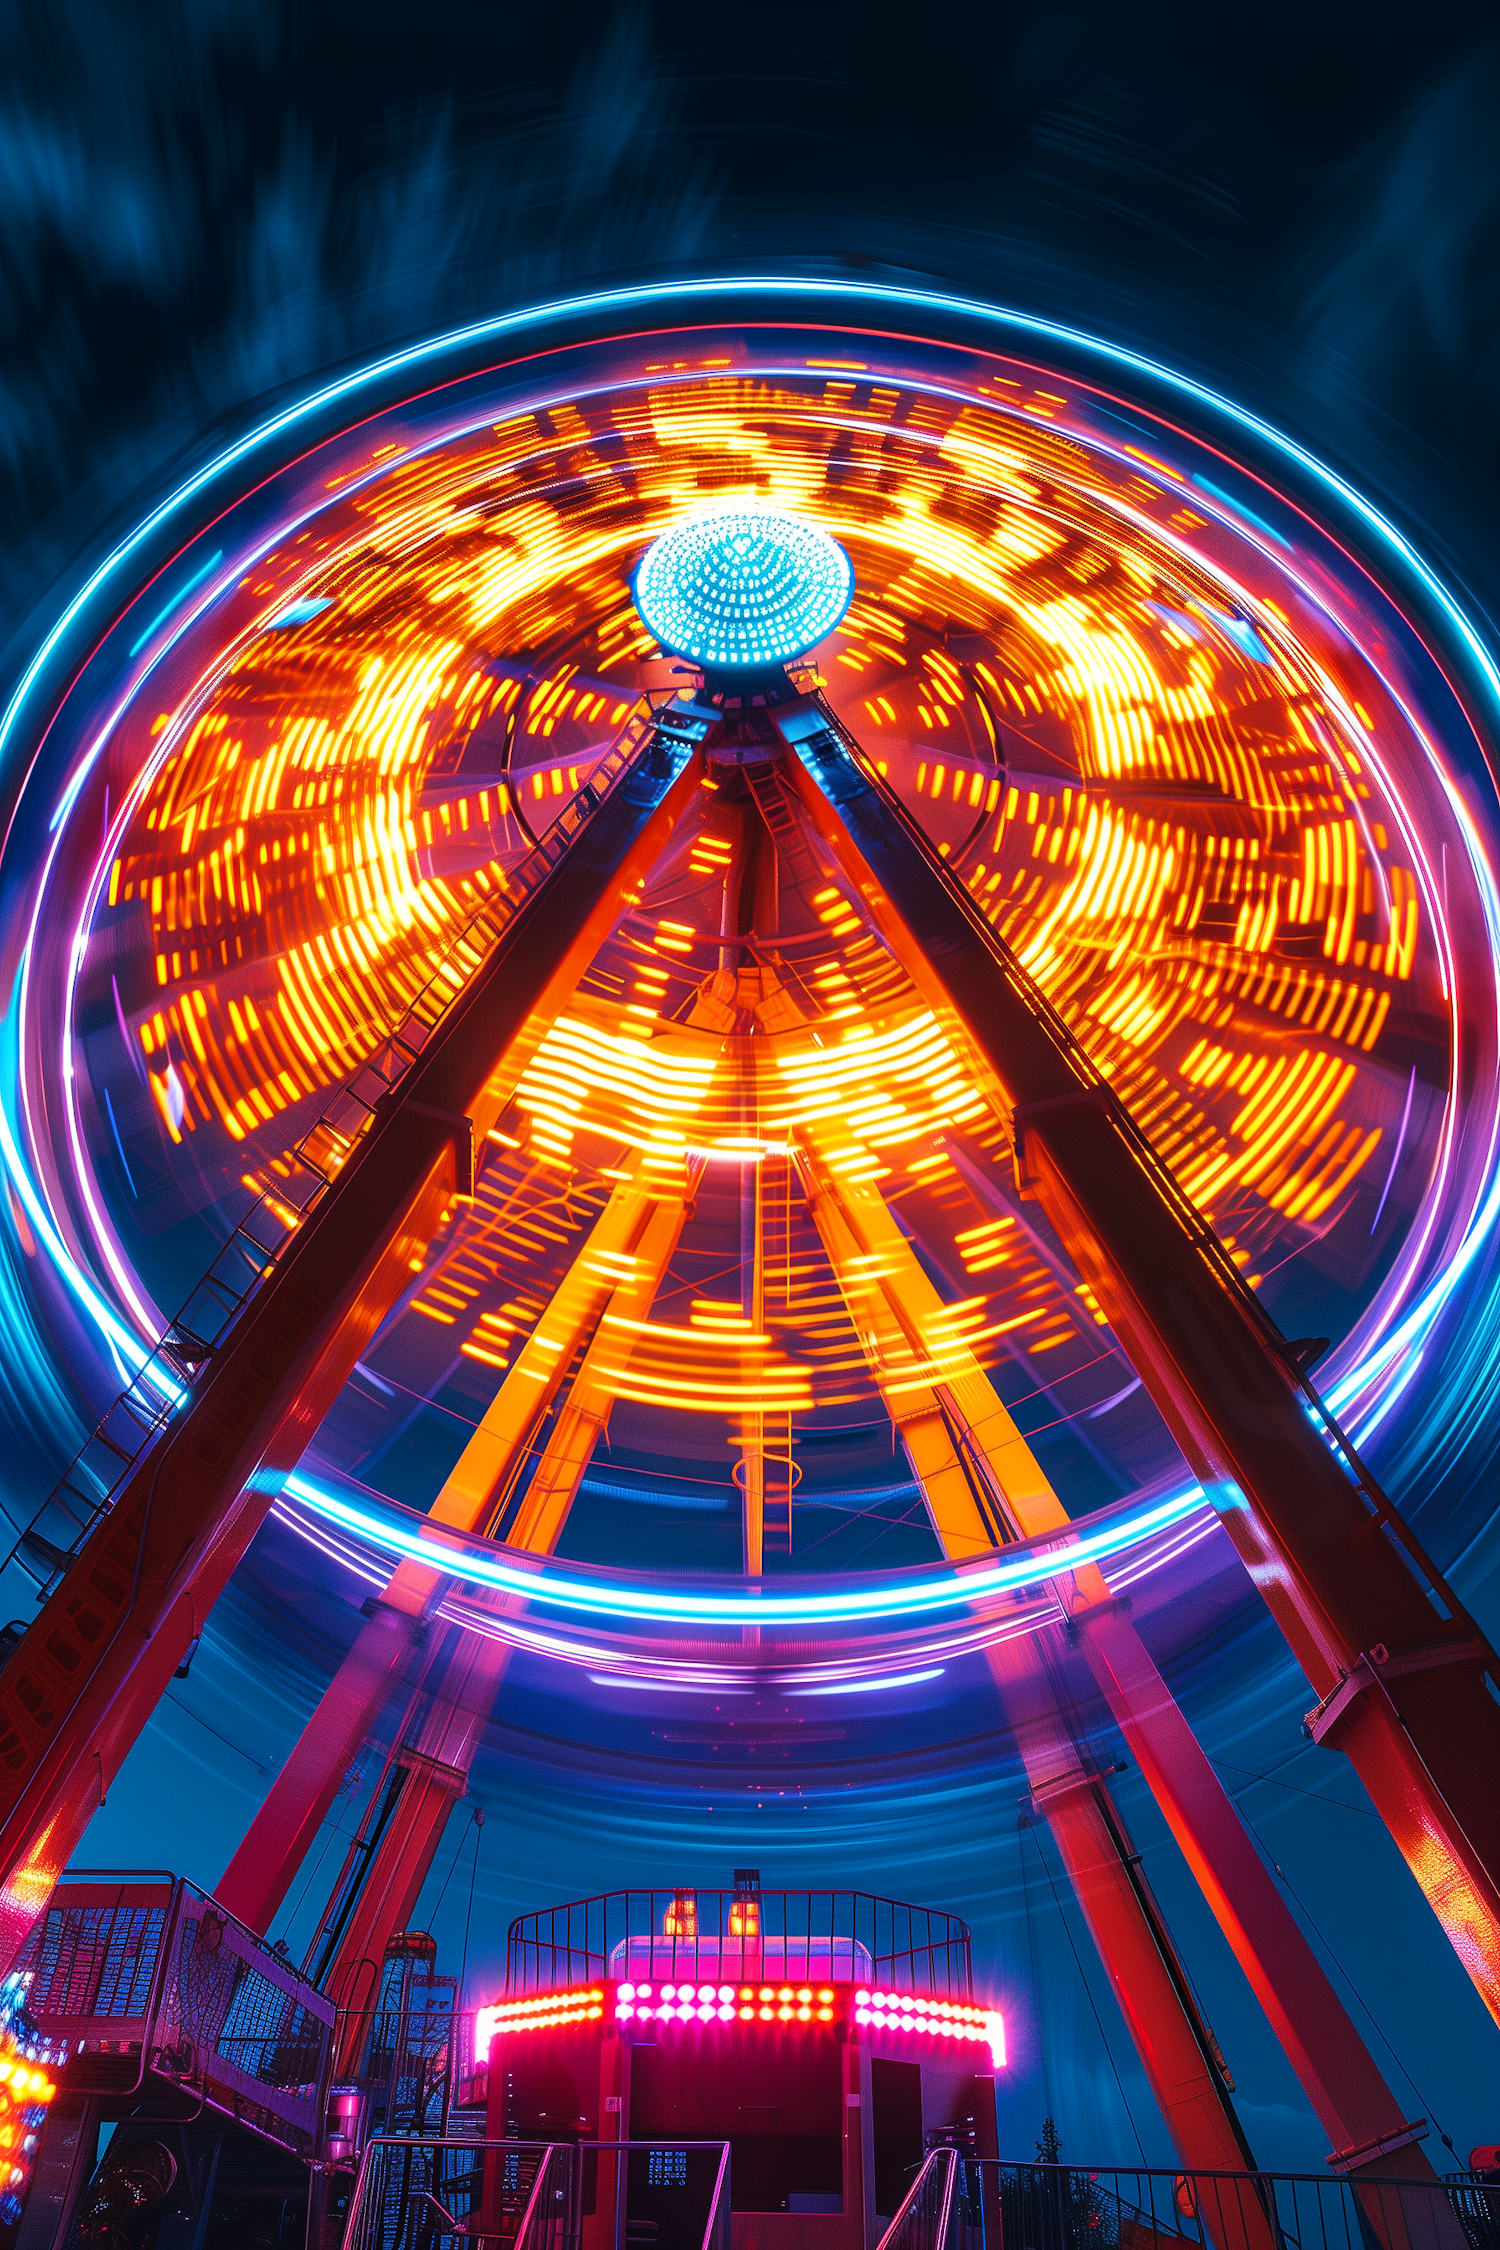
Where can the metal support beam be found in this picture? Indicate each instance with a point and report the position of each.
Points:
(614, 1278)
(433, 1776)
(1346, 1581)
(976, 1471)
(1179, 2054)
(929, 1381)
(584, 1413)
(262, 1870)
(1354, 2105)
(87, 1674)
(388, 1890)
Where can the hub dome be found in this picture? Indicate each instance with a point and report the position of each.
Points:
(743, 587)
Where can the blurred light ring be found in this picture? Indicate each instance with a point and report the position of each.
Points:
(1369, 1364)
(363, 1541)
(367, 1541)
(1367, 1380)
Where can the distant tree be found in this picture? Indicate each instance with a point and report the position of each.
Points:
(1071, 2211)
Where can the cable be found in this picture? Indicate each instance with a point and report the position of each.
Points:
(468, 1918)
(447, 1879)
(1318, 1799)
(331, 1829)
(1088, 1988)
(1422, 2102)
(1036, 1983)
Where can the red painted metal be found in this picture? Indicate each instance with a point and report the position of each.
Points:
(273, 1847)
(1410, 1683)
(1178, 2052)
(437, 1774)
(278, 1839)
(88, 1673)
(1353, 2103)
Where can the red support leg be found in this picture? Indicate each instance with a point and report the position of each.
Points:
(1354, 2105)
(258, 1877)
(1409, 1684)
(1178, 2052)
(436, 1777)
(90, 1669)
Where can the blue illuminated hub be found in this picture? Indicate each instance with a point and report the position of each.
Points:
(743, 587)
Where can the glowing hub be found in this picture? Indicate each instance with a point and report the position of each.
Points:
(743, 587)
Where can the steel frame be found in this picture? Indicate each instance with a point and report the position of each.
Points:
(1405, 1681)
(88, 1673)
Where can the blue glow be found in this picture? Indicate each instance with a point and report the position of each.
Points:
(743, 587)
(873, 1687)
(1382, 1362)
(180, 596)
(999, 317)
(488, 1565)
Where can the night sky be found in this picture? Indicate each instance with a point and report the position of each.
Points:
(203, 206)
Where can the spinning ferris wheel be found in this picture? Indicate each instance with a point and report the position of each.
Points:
(787, 942)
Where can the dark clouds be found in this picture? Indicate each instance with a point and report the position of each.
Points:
(205, 200)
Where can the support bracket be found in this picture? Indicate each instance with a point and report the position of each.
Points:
(419, 1766)
(1118, 1605)
(1068, 1785)
(416, 1627)
(1378, 1666)
(463, 1140)
(1082, 1097)
(1399, 2136)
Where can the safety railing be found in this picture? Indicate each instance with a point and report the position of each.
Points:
(925, 2219)
(546, 2220)
(717, 2233)
(1069, 2207)
(89, 1486)
(845, 1936)
(535, 2195)
(142, 1974)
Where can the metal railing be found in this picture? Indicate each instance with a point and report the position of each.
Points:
(90, 1484)
(925, 2219)
(844, 1936)
(535, 2195)
(1068, 2207)
(717, 2234)
(143, 1974)
(545, 2222)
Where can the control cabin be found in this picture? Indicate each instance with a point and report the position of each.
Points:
(828, 2036)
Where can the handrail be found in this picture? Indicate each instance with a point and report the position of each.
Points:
(947, 2158)
(358, 2199)
(435, 2144)
(553, 2148)
(509, 2147)
(195, 2022)
(721, 2190)
(552, 1944)
(1062, 2206)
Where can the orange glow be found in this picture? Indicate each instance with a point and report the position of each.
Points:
(1174, 819)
